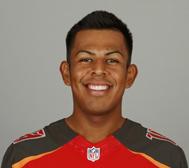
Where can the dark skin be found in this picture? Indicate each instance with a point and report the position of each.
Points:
(98, 75)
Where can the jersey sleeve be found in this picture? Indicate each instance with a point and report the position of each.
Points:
(183, 161)
(8, 159)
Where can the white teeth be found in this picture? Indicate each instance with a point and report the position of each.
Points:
(98, 87)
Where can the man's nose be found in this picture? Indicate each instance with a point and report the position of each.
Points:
(99, 67)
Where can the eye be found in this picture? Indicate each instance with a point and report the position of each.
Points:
(112, 61)
(86, 60)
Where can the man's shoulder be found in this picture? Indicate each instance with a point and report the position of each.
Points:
(36, 143)
(150, 139)
(46, 134)
(36, 137)
(149, 143)
(148, 135)
(31, 136)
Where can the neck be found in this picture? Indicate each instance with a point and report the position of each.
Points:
(95, 128)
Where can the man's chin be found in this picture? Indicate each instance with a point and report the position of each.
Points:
(98, 111)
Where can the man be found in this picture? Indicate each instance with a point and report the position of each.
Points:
(98, 69)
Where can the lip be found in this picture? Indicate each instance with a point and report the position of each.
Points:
(98, 82)
(98, 88)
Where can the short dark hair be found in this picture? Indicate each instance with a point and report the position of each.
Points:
(99, 20)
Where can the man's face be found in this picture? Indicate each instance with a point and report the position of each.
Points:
(98, 73)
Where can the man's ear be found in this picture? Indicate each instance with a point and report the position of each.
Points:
(65, 71)
(132, 72)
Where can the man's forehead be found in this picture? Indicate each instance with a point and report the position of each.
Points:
(108, 40)
(106, 52)
(99, 33)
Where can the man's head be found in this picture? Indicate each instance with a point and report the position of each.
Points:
(98, 67)
(99, 20)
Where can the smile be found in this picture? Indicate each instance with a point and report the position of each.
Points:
(98, 87)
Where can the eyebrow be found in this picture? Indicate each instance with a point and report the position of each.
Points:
(114, 52)
(92, 53)
(85, 51)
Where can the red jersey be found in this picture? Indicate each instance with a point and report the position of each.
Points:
(57, 146)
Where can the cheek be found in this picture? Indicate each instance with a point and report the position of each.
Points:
(78, 74)
(119, 75)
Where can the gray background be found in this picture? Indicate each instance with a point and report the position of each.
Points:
(32, 45)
